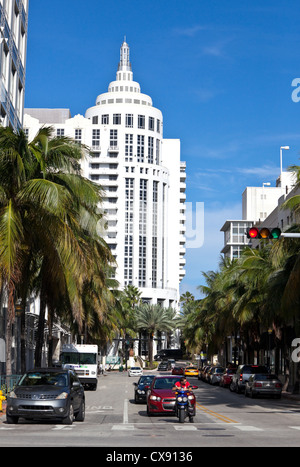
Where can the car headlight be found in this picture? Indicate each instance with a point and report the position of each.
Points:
(140, 391)
(191, 397)
(62, 395)
(155, 398)
(12, 395)
(179, 399)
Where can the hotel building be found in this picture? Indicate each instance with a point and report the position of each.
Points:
(143, 178)
(13, 36)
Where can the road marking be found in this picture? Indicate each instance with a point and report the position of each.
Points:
(295, 427)
(185, 428)
(125, 412)
(122, 427)
(248, 428)
(217, 415)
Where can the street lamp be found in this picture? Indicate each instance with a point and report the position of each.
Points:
(281, 148)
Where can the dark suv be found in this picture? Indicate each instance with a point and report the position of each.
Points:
(243, 374)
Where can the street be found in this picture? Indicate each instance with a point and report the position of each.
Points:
(113, 420)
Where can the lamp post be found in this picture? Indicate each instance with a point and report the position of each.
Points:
(281, 148)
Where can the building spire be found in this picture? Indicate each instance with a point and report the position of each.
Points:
(124, 64)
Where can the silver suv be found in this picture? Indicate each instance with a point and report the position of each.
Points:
(243, 374)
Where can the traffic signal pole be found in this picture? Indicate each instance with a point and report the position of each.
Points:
(291, 235)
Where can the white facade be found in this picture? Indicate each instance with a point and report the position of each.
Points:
(13, 35)
(257, 205)
(143, 178)
(259, 202)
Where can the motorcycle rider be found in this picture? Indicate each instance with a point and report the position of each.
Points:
(183, 384)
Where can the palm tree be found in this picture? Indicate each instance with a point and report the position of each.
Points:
(153, 318)
(48, 216)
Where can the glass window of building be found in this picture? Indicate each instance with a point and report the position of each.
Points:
(129, 120)
(141, 121)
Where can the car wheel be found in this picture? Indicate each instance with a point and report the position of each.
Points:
(231, 387)
(12, 420)
(68, 420)
(79, 417)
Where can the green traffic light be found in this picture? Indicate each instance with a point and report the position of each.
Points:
(275, 233)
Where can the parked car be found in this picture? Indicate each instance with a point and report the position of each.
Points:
(215, 374)
(161, 398)
(163, 366)
(203, 372)
(135, 371)
(141, 387)
(226, 377)
(47, 393)
(191, 371)
(263, 384)
(243, 374)
(171, 363)
(177, 370)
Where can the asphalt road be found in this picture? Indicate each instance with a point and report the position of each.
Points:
(114, 421)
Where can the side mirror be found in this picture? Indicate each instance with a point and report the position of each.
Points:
(135, 384)
(76, 384)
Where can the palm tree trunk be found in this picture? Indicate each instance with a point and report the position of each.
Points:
(50, 337)
(40, 333)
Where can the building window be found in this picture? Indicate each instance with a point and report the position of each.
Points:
(140, 148)
(142, 232)
(157, 151)
(117, 119)
(129, 121)
(60, 132)
(141, 121)
(95, 120)
(105, 119)
(78, 135)
(151, 124)
(113, 138)
(128, 246)
(158, 126)
(150, 149)
(154, 234)
(128, 148)
(96, 139)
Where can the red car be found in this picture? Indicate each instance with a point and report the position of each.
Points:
(161, 398)
(177, 370)
(227, 377)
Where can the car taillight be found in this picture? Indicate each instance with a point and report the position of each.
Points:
(258, 385)
(241, 377)
(277, 385)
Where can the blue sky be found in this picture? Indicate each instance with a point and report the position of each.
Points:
(221, 73)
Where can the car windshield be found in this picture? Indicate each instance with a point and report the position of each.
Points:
(38, 378)
(77, 358)
(146, 379)
(255, 369)
(165, 383)
(219, 370)
(265, 377)
(135, 368)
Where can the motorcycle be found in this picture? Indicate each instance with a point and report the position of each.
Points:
(183, 405)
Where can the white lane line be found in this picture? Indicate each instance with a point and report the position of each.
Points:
(247, 428)
(125, 412)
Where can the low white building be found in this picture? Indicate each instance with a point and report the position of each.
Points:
(257, 205)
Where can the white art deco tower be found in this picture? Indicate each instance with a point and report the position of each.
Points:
(143, 178)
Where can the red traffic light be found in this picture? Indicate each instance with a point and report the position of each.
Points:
(264, 232)
(253, 232)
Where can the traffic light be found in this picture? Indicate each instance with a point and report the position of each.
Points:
(264, 232)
